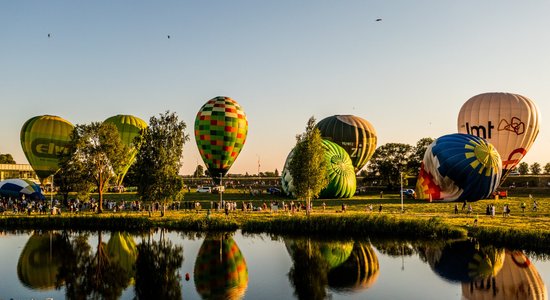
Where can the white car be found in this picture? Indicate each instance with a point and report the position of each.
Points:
(204, 189)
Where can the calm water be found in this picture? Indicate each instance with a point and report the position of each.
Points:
(171, 265)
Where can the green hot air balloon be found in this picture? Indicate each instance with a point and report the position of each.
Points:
(122, 249)
(220, 132)
(356, 135)
(44, 139)
(40, 261)
(341, 175)
(220, 269)
(129, 127)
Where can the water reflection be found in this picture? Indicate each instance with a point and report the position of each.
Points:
(341, 266)
(517, 279)
(220, 269)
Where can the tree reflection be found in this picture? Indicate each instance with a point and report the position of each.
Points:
(157, 275)
(89, 275)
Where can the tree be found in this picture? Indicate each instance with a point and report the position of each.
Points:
(160, 159)
(547, 168)
(535, 168)
(389, 160)
(523, 168)
(199, 171)
(418, 154)
(276, 172)
(71, 178)
(7, 159)
(308, 166)
(98, 153)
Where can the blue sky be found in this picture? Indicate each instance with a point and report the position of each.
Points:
(283, 61)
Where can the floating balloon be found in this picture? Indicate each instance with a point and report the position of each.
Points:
(19, 187)
(508, 121)
(44, 139)
(220, 269)
(356, 135)
(459, 167)
(129, 127)
(359, 271)
(341, 175)
(517, 279)
(40, 261)
(220, 132)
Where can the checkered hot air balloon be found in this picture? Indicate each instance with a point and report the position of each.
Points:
(19, 187)
(458, 167)
(220, 132)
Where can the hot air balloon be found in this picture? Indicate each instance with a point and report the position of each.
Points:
(458, 167)
(40, 261)
(517, 279)
(129, 127)
(359, 271)
(220, 269)
(220, 132)
(508, 121)
(341, 175)
(44, 139)
(356, 135)
(19, 187)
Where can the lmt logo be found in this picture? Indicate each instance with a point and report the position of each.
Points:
(480, 130)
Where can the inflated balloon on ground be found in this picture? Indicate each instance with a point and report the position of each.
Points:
(220, 132)
(356, 135)
(16, 187)
(508, 121)
(459, 167)
(44, 139)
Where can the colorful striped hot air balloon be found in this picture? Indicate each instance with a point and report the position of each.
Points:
(129, 127)
(44, 139)
(356, 135)
(508, 121)
(220, 269)
(220, 132)
(16, 187)
(458, 167)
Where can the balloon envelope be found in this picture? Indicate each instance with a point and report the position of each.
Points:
(459, 167)
(44, 139)
(40, 261)
(129, 127)
(220, 132)
(18, 187)
(359, 271)
(508, 121)
(356, 135)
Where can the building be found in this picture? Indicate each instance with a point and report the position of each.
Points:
(8, 171)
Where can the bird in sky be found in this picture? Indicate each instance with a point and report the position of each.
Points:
(49, 35)
(168, 36)
(378, 20)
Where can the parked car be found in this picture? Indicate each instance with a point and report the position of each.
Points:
(204, 189)
(409, 193)
(273, 191)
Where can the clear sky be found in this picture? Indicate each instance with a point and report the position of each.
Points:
(283, 61)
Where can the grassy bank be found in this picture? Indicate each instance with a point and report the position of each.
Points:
(522, 229)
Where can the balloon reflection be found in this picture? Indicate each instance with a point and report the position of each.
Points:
(220, 269)
(517, 279)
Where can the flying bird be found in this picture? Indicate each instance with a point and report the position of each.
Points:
(49, 35)
(168, 36)
(378, 20)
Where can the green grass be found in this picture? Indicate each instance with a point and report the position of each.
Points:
(420, 219)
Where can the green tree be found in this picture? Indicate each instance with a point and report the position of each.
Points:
(418, 155)
(308, 166)
(7, 159)
(523, 168)
(97, 152)
(389, 160)
(308, 274)
(160, 159)
(535, 168)
(199, 171)
(71, 178)
(547, 168)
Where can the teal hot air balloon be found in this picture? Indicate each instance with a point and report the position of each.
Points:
(220, 132)
(342, 182)
(356, 135)
(458, 167)
(129, 127)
